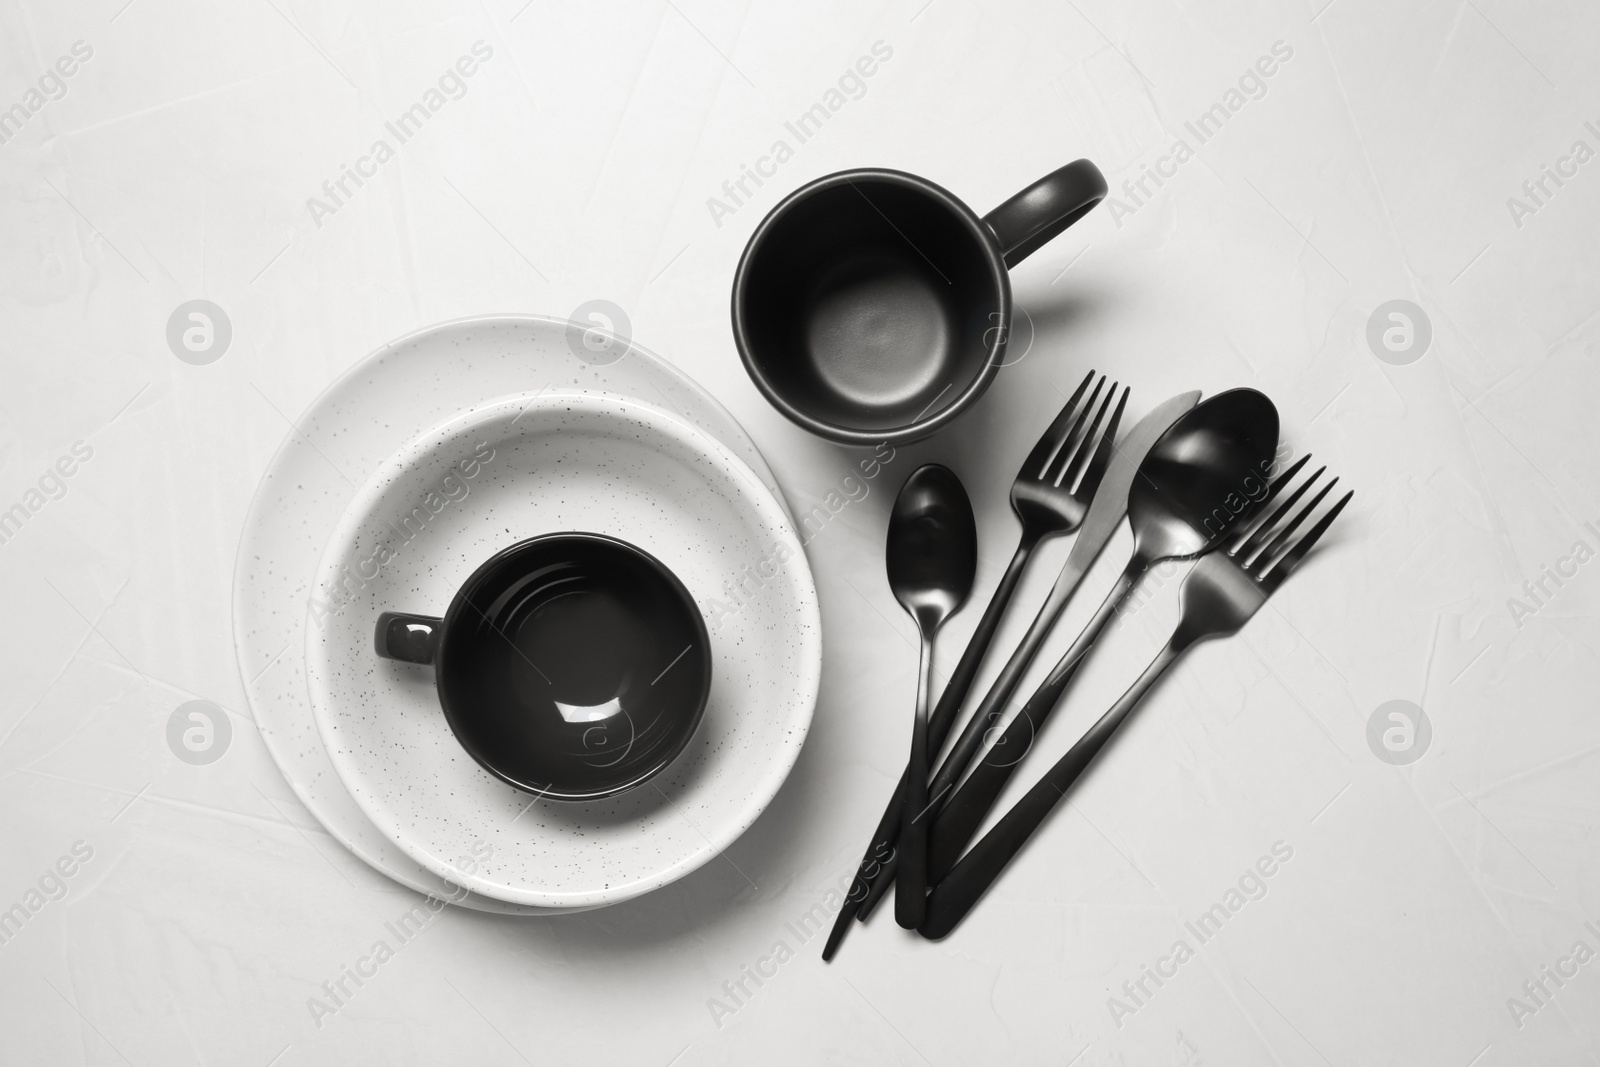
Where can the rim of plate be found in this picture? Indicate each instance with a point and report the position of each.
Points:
(253, 525)
(713, 839)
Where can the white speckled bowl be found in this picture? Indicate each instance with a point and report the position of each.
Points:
(562, 461)
(377, 405)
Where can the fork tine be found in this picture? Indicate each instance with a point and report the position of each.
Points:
(1249, 544)
(1290, 559)
(1259, 509)
(1283, 479)
(1053, 437)
(1101, 459)
(1074, 439)
(1264, 560)
(1086, 444)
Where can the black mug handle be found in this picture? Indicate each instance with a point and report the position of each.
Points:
(407, 638)
(1028, 220)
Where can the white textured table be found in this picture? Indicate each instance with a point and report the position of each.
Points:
(1332, 161)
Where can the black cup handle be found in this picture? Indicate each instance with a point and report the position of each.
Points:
(1040, 212)
(407, 638)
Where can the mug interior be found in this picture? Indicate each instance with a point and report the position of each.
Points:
(574, 666)
(870, 302)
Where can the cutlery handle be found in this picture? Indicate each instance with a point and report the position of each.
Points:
(994, 700)
(966, 672)
(971, 739)
(944, 714)
(965, 811)
(955, 896)
(913, 887)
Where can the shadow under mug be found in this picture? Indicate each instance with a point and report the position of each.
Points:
(873, 305)
(574, 666)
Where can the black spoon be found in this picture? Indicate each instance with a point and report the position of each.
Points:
(1206, 474)
(932, 556)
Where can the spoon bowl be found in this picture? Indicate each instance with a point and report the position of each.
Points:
(932, 552)
(1206, 472)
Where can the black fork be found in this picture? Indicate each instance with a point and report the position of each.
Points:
(1220, 595)
(958, 821)
(1050, 495)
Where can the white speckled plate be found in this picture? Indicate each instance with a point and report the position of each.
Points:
(380, 403)
(512, 469)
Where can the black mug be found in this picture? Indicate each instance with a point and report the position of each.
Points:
(573, 665)
(872, 305)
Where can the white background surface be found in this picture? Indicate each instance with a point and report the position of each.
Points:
(1377, 165)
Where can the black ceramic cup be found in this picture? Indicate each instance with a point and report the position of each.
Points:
(573, 665)
(872, 305)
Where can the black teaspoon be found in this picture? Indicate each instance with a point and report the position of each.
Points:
(932, 556)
